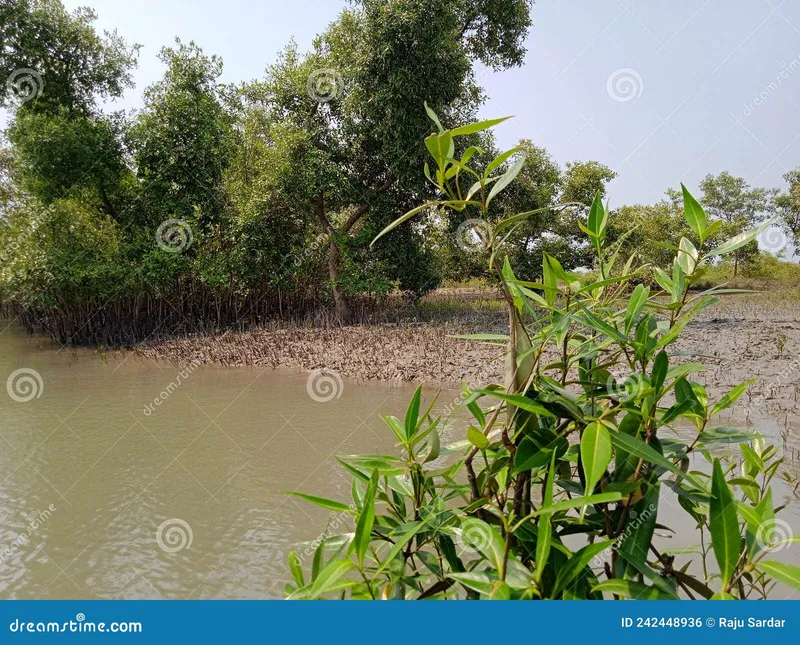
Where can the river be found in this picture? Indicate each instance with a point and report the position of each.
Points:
(180, 498)
(130, 478)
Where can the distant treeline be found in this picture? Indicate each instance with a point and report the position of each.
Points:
(218, 206)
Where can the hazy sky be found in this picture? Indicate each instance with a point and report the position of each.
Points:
(661, 91)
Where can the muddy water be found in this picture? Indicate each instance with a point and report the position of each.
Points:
(129, 478)
(92, 466)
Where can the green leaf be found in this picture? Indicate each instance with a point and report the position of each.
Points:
(577, 502)
(694, 214)
(600, 325)
(544, 535)
(482, 537)
(687, 256)
(659, 373)
(296, 569)
(433, 117)
(404, 218)
(723, 524)
(740, 240)
(506, 179)
(570, 571)
(399, 545)
(788, 574)
(731, 397)
(366, 520)
(325, 503)
(633, 590)
(635, 305)
(412, 414)
(477, 581)
(477, 438)
(521, 401)
(595, 453)
(478, 126)
(641, 450)
(329, 576)
(597, 223)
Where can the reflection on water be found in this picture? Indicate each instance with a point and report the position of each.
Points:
(125, 478)
(166, 482)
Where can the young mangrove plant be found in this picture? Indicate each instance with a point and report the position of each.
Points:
(554, 491)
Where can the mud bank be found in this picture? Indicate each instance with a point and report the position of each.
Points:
(739, 338)
(424, 352)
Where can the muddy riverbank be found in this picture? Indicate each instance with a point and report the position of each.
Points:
(741, 337)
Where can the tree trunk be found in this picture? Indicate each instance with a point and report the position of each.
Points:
(343, 312)
(342, 307)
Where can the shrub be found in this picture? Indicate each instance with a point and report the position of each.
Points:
(555, 489)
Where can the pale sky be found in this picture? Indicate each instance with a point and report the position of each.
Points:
(694, 67)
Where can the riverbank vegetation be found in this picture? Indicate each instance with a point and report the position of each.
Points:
(555, 490)
(227, 206)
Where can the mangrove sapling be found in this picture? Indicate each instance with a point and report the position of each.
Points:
(566, 448)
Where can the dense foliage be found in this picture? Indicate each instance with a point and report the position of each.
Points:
(217, 205)
(554, 490)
